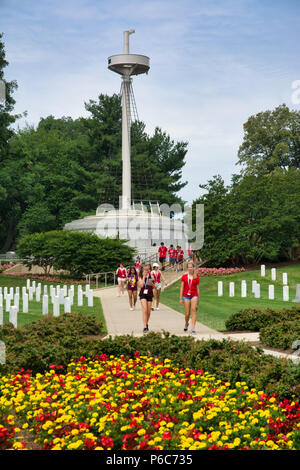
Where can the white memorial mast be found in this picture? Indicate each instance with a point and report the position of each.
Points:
(133, 222)
(126, 65)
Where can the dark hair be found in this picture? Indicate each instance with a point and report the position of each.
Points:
(162, 243)
(130, 269)
(142, 269)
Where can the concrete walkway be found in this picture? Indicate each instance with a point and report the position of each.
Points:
(120, 320)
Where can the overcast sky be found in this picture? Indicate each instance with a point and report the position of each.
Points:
(213, 64)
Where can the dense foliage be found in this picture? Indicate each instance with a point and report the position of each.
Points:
(62, 169)
(77, 252)
(58, 340)
(281, 335)
(254, 319)
(254, 219)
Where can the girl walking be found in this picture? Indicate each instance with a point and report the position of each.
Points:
(132, 280)
(156, 275)
(189, 295)
(122, 275)
(146, 285)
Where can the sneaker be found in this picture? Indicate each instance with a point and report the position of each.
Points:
(131, 308)
(157, 308)
(152, 308)
(193, 332)
(145, 330)
(185, 328)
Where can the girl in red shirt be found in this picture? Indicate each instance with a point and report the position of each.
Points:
(189, 294)
(156, 275)
(122, 275)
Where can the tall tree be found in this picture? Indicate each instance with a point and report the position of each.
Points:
(271, 140)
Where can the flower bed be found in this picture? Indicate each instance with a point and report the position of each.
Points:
(218, 271)
(5, 266)
(143, 403)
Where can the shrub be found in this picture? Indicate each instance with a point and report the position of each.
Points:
(46, 341)
(58, 340)
(77, 252)
(280, 335)
(254, 319)
(218, 271)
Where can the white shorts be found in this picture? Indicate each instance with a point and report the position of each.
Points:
(158, 285)
(120, 279)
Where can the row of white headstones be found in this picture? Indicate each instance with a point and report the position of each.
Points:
(256, 286)
(58, 296)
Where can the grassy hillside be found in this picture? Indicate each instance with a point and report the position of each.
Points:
(213, 311)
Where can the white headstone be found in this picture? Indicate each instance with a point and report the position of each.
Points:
(18, 290)
(56, 305)
(220, 288)
(5, 292)
(244, 289)
(38, 294)
(24, 291)
(67, 305)
(253, 286)
(11, 292)
(284, 279)
(28, 283)
(90, 298)
(13, 316)
(25, 303)
(1, 313)
(45, 304)
(33, 285)
(80, 297)
(30, 293)
(297, 299)
(263, 270)
(87, 288)
(45, 289)
(285, 293)
(7, 302)
(273, 274)
(17, 301)
(231, 289)
(257, 291)
(271, 292)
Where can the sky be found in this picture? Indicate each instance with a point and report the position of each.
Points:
(213, 63)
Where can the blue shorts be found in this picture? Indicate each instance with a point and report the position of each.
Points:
(190, 298)
(172, 260)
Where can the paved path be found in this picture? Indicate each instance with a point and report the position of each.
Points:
(120, 320)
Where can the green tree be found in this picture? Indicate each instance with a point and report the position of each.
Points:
(77, 252)
(6, 106)
(271, 140)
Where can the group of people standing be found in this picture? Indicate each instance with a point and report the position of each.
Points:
(176, 256)
(148, 279)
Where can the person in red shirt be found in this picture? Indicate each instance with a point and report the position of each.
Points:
(122, 276)
(162, 250)
(172, 256)
(157, 277)
(180, 258)
(189, 294)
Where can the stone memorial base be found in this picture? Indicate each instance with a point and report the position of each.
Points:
(140, 228)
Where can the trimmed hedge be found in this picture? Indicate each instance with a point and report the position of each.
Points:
(280, 335)
(58, 340)
(254, 319)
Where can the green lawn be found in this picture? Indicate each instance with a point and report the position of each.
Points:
(213, 311)
(35, 308)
